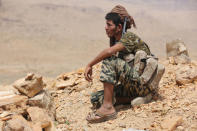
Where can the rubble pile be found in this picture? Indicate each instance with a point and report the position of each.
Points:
(29, 111)
(63, 103)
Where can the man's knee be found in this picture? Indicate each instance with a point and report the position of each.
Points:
(108, 73)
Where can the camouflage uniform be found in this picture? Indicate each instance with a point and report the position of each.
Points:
(117, 71)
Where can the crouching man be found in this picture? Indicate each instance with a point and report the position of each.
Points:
(128, 72)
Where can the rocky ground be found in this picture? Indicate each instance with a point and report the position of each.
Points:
(174, 108)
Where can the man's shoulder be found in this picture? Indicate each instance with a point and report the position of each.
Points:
(130, 35)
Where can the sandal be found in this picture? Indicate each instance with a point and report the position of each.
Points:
(92, 117)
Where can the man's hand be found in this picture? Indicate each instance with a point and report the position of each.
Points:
(88, 73)
(104, 54)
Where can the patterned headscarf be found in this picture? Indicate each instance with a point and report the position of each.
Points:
(123, 13)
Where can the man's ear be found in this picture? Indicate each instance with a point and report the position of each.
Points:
(120, 27)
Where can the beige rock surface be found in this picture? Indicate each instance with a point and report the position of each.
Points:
(30, 85)
(186, 74)
(16, 99)
(44, 100)
(17, 123)
(40, 117)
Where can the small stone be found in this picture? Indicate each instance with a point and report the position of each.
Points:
(123, 117)
(141, 100)
(180, 128)
(62, 84)
(122, 125)
(29, 76)
(5, 116)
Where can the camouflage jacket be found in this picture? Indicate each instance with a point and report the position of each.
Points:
(132, 44)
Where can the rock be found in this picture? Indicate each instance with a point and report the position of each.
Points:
(182, 59)
(170, 123)
(44, 100)
(13, 99)
(180, 128)
(17, 123)
(15, 104)
(7, 93)
(40, 117)
(185, 75)
(9, 89)
(177, 52)
(29, 76)
(141, 100)
(41, 100)
(175, 48)
(61, 84)
(122, 125)
(30, 85)
(5, 115)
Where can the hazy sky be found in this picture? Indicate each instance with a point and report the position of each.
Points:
(166, 4)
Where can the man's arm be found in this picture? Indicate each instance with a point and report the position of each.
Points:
(104, 54)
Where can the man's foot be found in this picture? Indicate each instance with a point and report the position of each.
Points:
(141, 100)
(102, 114)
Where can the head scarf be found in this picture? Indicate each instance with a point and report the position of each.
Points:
(123, 13)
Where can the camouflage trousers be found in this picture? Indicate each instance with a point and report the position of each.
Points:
(119, 73)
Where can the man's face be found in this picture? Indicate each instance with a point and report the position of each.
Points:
(110, 28)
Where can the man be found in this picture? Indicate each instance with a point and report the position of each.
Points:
(120, 80)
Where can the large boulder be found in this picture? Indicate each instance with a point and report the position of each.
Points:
(177, 52)
(30, 85)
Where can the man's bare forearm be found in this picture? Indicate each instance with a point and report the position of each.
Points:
(106, 53)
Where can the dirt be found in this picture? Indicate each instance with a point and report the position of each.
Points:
(73, 105)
